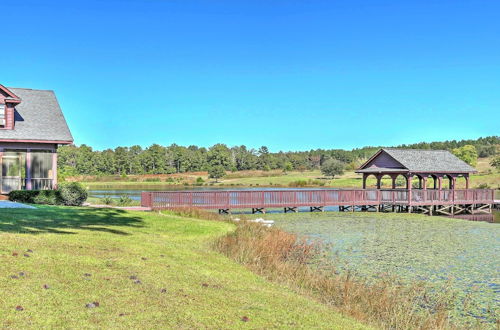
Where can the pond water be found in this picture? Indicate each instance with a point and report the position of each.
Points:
(135, 194)
(437, 250)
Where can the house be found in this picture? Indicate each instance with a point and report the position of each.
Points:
(416, 163)
(32, 126)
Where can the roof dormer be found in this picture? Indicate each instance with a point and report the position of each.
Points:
(8, 102)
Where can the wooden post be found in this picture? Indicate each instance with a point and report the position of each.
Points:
(410, 177)
(27, 166)
(54, 169)
(1, 160)
(379, 180)
(364, 180)
(393, 177)
(466, 181)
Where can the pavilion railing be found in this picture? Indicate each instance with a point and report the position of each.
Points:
(234, 199)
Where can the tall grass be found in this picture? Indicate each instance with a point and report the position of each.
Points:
(283, 257)
(195, 213)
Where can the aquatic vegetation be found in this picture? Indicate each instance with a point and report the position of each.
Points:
(442, 252)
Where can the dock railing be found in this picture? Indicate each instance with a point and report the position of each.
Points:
(240, 199)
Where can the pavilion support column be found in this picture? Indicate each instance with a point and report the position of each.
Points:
(54, 169)
(393, 177)
(409, 186)
(28, 170)
(424, 180)
(379, 181)
(467, 181)
(440, 182)
(434, 178)
(364, 180)
(419, 182)
(1, 159)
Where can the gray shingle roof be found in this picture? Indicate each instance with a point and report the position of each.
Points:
(417, 160)
(38, 117)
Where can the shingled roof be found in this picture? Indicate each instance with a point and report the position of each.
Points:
(38, 118)
(418, 160)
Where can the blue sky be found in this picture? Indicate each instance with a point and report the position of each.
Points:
(291, 75)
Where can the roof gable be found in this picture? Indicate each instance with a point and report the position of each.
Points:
(382, 160)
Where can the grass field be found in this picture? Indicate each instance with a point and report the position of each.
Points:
(105, 268)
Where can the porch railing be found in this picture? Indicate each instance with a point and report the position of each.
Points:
(41, 184)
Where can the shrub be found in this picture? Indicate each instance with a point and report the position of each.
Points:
(107, 200)
(152, 180)
(169, 180)
(200, 180)
(23, 196)
(124, 200)
(72, 194)
(298, 183)
(48, 197)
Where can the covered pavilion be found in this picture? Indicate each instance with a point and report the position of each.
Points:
(416, 164)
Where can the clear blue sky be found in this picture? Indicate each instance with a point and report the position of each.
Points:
(291, 75)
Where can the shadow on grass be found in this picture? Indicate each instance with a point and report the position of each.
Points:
(46, 219)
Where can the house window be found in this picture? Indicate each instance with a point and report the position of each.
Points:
(2, 115)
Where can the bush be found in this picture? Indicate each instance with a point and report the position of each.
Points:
(107, 200)
(72, 194)
(298, 183)
(124, 200)
(48, 197)
(23, 196)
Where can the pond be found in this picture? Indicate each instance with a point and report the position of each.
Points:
(437, 250)
(135, 194)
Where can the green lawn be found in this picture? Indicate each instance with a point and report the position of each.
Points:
(145, 270)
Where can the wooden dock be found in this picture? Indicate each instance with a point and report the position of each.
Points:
(427, 201)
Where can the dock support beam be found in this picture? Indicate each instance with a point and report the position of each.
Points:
(317, 208)
(291, 209)
(224, 211)
(258, 210)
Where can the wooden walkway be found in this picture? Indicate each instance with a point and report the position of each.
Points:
(428, 201)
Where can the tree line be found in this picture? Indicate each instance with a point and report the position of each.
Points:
(158, 159)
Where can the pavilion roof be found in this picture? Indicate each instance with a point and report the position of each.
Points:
(415, 160)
